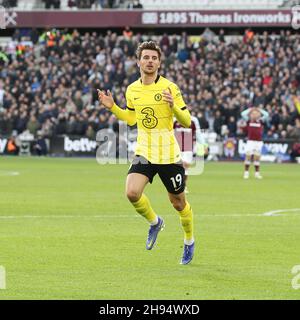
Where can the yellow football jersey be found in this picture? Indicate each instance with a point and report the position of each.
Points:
(154, 118)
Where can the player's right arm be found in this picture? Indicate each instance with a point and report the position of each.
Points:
(245, 114)
(127, 115)
(174, 98)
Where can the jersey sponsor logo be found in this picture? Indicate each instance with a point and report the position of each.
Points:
(135, 98)
(150, 121)
(256, 125)
(158, 97)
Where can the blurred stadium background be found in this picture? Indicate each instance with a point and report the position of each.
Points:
(224, 55)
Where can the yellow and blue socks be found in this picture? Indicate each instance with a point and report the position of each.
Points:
(186, 219)
(143, 207)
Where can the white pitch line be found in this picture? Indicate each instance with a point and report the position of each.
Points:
(279, 212)
(9, 173)
(113, 216)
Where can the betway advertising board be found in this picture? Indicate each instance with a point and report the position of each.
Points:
(82, 146)
(72, 146)
(272, 150)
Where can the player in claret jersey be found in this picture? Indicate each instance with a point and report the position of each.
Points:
(189, 139)
(254, 128)
(152, 102)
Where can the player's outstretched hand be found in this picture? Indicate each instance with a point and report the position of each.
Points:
(167, 96)
(106, 99)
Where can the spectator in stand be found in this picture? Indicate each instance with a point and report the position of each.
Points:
(127, 33)
(218, 122)
(294, 132)
(90, 133)
(55, 4)
(134, 4)
(33, 125)
(12, 147)
(72, 4)
(84, 4)
(40, 145)
(295, 151)
(10, 3)
(232, 127)
(222, 36)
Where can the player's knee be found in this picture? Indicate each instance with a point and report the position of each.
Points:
(178, 204)
(133, 195)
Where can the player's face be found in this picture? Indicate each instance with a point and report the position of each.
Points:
(149, 62)
(255, 114)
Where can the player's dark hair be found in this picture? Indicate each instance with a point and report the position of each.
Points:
(148, 45)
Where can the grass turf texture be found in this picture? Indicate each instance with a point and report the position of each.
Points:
(85, 241)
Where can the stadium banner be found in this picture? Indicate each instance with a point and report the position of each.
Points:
(230, 149)
(272, 150)
(143, 18)
(72, 146)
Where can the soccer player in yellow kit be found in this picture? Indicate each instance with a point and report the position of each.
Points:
(152, 102)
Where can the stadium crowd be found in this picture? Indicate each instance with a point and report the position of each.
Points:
(48, 82)
(77, 4)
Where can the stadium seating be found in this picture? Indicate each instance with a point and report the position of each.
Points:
(211, 4)
(177, 5)
(27, 5)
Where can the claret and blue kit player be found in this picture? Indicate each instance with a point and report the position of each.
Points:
(255, 118)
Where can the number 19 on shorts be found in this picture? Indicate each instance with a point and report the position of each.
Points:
(177, 181)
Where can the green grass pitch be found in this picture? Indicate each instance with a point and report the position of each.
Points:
(67, 231)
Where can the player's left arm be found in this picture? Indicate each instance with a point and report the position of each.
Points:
(264, 115)
(174, 98)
